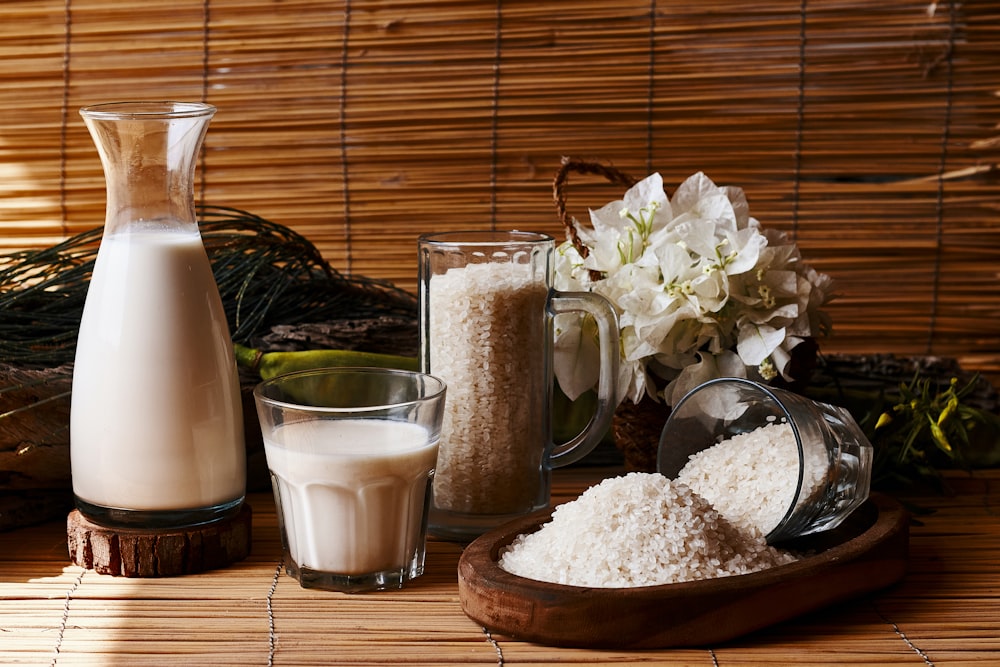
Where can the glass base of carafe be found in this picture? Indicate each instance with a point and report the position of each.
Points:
(117, 517)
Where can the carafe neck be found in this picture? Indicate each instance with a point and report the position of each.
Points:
(149, 151)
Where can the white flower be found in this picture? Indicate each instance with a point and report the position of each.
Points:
(701, 291)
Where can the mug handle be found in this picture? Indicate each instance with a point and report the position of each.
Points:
(607, 328)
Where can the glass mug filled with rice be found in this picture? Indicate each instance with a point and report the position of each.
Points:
(486, 328)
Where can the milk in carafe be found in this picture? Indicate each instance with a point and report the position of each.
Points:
(155, 393)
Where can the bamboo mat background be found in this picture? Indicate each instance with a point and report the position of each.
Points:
(868, 131)
(945, 612)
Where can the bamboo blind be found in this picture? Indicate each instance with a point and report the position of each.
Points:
(867, 130)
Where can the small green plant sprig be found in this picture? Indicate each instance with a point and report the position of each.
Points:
(929, 429)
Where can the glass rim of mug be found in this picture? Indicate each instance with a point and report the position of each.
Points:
(485, 237)
(150, 109)
(437, 389)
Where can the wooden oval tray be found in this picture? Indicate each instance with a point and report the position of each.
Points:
(867, 552)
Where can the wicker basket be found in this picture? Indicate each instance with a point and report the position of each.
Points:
(636, 428)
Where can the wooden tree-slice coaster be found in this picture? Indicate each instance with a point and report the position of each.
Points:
(127, 552)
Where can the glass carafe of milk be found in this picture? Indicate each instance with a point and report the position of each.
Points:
(156, 432)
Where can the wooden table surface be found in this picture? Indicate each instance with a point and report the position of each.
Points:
(945, 612)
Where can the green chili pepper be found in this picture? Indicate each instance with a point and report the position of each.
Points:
(272, 364)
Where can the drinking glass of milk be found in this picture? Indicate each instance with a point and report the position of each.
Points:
(352, 453)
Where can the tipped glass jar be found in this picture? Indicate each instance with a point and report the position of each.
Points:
(768, 459)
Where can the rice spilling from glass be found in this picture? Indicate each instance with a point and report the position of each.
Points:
(751, 478)
(639, 529)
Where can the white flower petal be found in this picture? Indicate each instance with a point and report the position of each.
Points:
(695, 188)
(708, 367)
(698, 234)
(756, 342)
(747, 244)
(741, 208)
(576, 357)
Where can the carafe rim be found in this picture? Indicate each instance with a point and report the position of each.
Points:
(147, 110)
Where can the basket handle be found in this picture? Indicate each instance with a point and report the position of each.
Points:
(586, 167)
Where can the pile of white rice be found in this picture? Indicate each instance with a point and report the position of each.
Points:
(751, 477)
(640, 529)
(486, 325)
